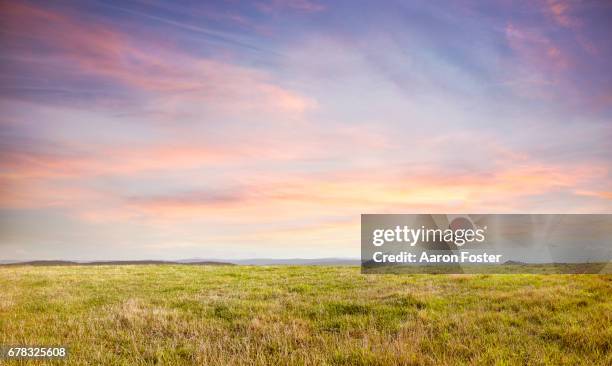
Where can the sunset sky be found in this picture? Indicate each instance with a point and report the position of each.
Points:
(155, 129)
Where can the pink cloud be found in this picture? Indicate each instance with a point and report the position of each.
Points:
(559, 10)
(536, 49)
(354, 192)
(540, 65)
(597, 194)
(113, 161)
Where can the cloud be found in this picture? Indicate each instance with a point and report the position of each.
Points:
(559, 10)
(79, 162)
(354, 192)
(191, 199)
(560, 55)
(534, 48)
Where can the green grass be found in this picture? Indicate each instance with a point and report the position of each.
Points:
(171, 315)
(552, 268)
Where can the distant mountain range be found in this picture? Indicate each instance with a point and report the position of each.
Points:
(195, 261)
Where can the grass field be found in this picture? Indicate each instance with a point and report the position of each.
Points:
(215, 315)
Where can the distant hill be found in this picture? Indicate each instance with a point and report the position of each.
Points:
(41, 263)
(195, 261)
(105, 263)
(284, 261)
(511, 262)
(299, 261)
(208, 263)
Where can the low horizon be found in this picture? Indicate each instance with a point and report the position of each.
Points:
(182, 259)
(318, 260)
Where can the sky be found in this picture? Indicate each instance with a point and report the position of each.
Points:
(151, 129)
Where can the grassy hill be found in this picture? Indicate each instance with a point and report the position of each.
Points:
(214, 315)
